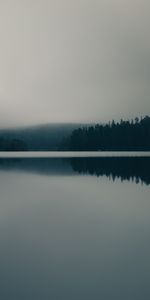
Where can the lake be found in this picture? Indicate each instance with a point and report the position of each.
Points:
(74, 227)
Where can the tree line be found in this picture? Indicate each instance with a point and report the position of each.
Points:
(8, 144)
(128, 135)
(133, 135)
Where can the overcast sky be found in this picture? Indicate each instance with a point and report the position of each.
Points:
(73, 60)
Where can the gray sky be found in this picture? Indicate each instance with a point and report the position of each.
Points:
(73, 60)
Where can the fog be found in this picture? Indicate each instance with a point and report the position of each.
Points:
(73, 61)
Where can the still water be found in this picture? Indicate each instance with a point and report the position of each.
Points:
(75, 228)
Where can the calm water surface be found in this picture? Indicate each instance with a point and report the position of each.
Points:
(75, 228)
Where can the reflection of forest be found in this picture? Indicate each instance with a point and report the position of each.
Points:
(127, 168)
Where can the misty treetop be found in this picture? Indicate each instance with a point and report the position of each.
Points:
(12, 144)
(131, 135)
(46, 137)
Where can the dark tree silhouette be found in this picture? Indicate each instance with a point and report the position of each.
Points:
(12, 145)
(131, 135)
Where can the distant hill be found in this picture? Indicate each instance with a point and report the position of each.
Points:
(131, 135)
(36, 138)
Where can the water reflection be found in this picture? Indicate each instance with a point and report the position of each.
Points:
(74, 236)
(127, 168)
(136, 169)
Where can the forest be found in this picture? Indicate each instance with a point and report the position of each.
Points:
(12, 144)
(131, 135)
